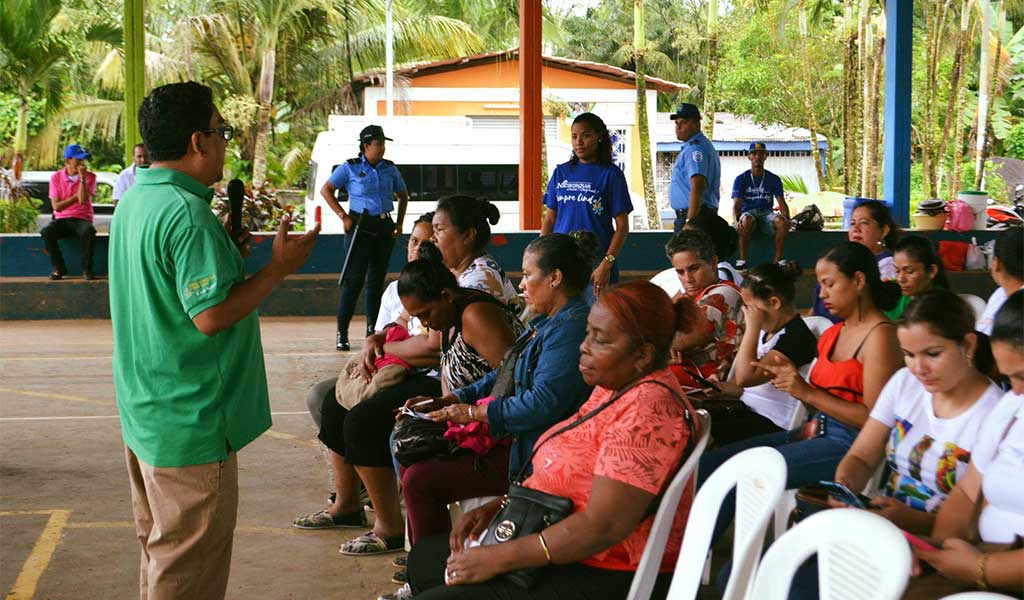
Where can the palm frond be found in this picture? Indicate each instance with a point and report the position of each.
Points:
(96, 116)
(415, 40)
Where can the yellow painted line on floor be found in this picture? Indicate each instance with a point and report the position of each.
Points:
(131, 525)
(39, 559)
(277, 435)
(50, 396)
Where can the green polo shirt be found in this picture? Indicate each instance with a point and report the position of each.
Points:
(184, 397)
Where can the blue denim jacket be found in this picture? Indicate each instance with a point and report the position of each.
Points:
(548, 382)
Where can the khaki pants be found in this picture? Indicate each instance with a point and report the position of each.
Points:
(185, 521)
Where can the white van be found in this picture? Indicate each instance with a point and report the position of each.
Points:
(437, 156)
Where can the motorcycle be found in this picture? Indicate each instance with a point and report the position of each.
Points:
(1001, 216)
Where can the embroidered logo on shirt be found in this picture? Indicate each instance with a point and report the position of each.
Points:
(200, 286)
(698, 156)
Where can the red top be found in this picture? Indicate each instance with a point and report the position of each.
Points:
(638, 440)
(843, 379)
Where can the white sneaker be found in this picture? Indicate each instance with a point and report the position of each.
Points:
(402, 593)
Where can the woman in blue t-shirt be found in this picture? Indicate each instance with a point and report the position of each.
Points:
(589, 193)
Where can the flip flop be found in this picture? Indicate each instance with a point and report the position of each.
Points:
(324, 520)
(370, 543)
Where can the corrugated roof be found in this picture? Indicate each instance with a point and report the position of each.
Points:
(736, 128)
(556, 62)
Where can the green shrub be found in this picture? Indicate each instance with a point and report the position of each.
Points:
(18, 210)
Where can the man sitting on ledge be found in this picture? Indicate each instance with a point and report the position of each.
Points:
(72, 211)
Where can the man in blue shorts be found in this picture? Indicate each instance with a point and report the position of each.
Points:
(754, 194)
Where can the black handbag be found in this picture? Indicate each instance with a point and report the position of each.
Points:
(505, 380)
(415, 439)
(526, 511)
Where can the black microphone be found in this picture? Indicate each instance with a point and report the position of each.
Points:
(236, 195)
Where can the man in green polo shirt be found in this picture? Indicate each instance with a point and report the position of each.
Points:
(188, 361)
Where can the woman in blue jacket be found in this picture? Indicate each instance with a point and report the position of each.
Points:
(589, 193)
(548, 388)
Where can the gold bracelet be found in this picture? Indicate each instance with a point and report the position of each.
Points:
(982, 581)
(544, 545)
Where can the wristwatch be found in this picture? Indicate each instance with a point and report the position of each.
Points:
(610, 258)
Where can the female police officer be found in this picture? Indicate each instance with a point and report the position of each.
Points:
(371, 183)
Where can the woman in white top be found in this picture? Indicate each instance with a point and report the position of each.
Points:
(773, 327)
(927, 419)
(992, 480)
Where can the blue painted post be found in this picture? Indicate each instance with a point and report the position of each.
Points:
(898, 63)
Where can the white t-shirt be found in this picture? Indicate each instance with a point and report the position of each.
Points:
(926, 455)
(125, 180)
(988, 317)
(767, 400)
(391, 308)
(999, 457)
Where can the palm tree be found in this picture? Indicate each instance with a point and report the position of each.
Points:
(647, 174)
(32, 62)
(712, 70)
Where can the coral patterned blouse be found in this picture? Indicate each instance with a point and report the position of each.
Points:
(639, 441)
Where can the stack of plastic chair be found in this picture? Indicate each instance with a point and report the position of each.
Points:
(861, 556)
(650, 561)
(759, 477)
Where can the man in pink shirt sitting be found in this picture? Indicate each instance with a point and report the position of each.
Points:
(72, 211)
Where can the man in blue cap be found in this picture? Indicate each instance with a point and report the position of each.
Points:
(754, 194)
(696, 175)
(71, 193)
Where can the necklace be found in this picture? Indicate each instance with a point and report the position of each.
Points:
(756, 184)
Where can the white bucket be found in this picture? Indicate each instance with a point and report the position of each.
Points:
(978, 201)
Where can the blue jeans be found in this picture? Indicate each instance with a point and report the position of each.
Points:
(807, 461)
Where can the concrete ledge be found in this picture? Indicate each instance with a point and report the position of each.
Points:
(33, 298)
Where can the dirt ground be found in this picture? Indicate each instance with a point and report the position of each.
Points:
(65, 514)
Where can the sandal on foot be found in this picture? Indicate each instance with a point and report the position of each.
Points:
(325, 520)
(400, 576)
(371, 543)
(400, 561)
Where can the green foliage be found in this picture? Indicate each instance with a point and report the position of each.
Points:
(9, 117)
(1013, 145)
(794, 183)
(18, 210)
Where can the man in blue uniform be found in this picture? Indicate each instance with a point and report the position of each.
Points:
(754, 194)
(372, 184)
(696, 176)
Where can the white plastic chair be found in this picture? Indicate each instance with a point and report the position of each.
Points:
(817, 324)
(977, 304)
(650, 561)
(978, 596)
(668, 280)
(861, 556)
(459, 508)
(788, 501)
(759, 477)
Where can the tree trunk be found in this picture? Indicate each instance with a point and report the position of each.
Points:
(867, 43)
(849, 99)
(994, 89)
(984, 87)
(954, 102)
(812, 122)
(712, 71)
(876, 95)
(266, 98)
(21, 133)
(647, 173)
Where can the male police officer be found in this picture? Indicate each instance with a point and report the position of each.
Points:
(371, 183)
(696, 175)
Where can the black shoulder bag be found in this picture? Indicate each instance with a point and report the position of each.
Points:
(526, 511)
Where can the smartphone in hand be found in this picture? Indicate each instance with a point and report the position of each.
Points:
(841, 493)
(921, 542)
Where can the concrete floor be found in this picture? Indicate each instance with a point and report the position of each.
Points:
(65, 514)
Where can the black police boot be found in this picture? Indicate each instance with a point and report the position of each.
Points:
(342, 344)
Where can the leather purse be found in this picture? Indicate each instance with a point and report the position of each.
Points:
(415, 439)
(525, 511)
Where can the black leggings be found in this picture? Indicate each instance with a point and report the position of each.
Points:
(558, 582)
(361, 434)
(738, 423)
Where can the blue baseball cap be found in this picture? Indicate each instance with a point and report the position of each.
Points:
(76, 151)
(686, 111)
(757, 146)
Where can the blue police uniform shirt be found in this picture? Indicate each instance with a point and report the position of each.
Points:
(588, 197)
(757, 193)
(370, 188)
(697, 157)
